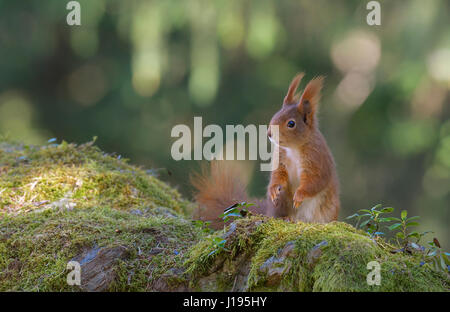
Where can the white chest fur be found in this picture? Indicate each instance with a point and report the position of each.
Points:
(307, 211)
(293, 167)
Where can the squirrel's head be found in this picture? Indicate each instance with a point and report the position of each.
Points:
(296, 120)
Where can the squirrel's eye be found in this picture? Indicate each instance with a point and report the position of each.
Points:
(291, 124)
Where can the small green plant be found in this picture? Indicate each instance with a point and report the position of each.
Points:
(436, 257)
(217, 244)
(372, 219)
(403, 234)
(238, 210)
(203, 225)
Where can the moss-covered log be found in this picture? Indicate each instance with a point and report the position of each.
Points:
(266, 254)
(131, 232)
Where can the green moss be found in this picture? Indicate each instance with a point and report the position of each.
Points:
(340, 266)
(43, 243)
(57, 201)
(84, 175)
(241, 240)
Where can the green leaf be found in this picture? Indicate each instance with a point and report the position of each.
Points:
(385, 219)
(217, 239)
(412, 224)
(229, 211)
(213, 252)
(394, 226)
(400, 235)
(352, 216)
(404, 214)
(389, 219)
(234, 214)
(364, 210)
(443, 265)
(364, 223)
(387, 210)
(375, 207)
(413, 218)
(414, 234)
(446, 259)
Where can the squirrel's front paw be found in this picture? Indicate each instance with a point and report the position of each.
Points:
(274, 192)
(299, 197)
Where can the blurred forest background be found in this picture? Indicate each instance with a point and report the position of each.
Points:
(135, 69)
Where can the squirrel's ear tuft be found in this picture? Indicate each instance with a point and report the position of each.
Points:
(310, 98)
(290, 96)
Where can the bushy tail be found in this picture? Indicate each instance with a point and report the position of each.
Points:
(224, 185)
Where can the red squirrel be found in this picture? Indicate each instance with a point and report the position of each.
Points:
(304, 187)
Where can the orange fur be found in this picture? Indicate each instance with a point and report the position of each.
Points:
(310, 98)
(304, 186)
(290, 96)
(219, 189)
(307, 173)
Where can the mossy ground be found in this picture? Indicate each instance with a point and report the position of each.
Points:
(87, 177)
(341, 266)
(58, 200)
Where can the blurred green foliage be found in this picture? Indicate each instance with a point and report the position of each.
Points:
(135, 69)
